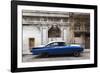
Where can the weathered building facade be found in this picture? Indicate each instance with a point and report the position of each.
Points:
(42, 27)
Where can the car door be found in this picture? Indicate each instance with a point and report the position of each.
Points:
(55, 48)
(52, 48)
(61, 49)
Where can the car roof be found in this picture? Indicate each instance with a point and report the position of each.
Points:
(56, 42)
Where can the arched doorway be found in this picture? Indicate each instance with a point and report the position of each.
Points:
(54, 33)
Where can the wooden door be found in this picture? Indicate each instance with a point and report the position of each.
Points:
(87, 43)
(31, 43)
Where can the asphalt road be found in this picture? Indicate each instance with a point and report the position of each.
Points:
(36, 58)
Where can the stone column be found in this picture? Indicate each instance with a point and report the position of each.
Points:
(64, 33)
(44, 35)
(83, 40)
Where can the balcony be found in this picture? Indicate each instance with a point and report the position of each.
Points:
(81, 29)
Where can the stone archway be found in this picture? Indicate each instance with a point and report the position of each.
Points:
(54, 32)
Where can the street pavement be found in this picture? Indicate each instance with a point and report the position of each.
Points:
(36, 58)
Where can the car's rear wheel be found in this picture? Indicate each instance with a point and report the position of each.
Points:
(76, 54)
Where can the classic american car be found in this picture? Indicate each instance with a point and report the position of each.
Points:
(58, 48)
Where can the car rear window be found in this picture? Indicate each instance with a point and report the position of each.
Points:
(61, 44)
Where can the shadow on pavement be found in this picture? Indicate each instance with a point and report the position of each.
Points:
(53, 56)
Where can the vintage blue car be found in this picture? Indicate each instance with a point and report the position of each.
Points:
(58, 48)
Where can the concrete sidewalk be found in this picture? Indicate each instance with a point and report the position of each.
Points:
(86, 50)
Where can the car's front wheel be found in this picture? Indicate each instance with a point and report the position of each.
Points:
(76, 54)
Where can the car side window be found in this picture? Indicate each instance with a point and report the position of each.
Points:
(49, 45)
(62, 44)
(52, 45)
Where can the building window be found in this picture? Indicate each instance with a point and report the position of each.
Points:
(52, 19)
(65, 20)
(54, 31)
(56, 19)
(77, 34)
